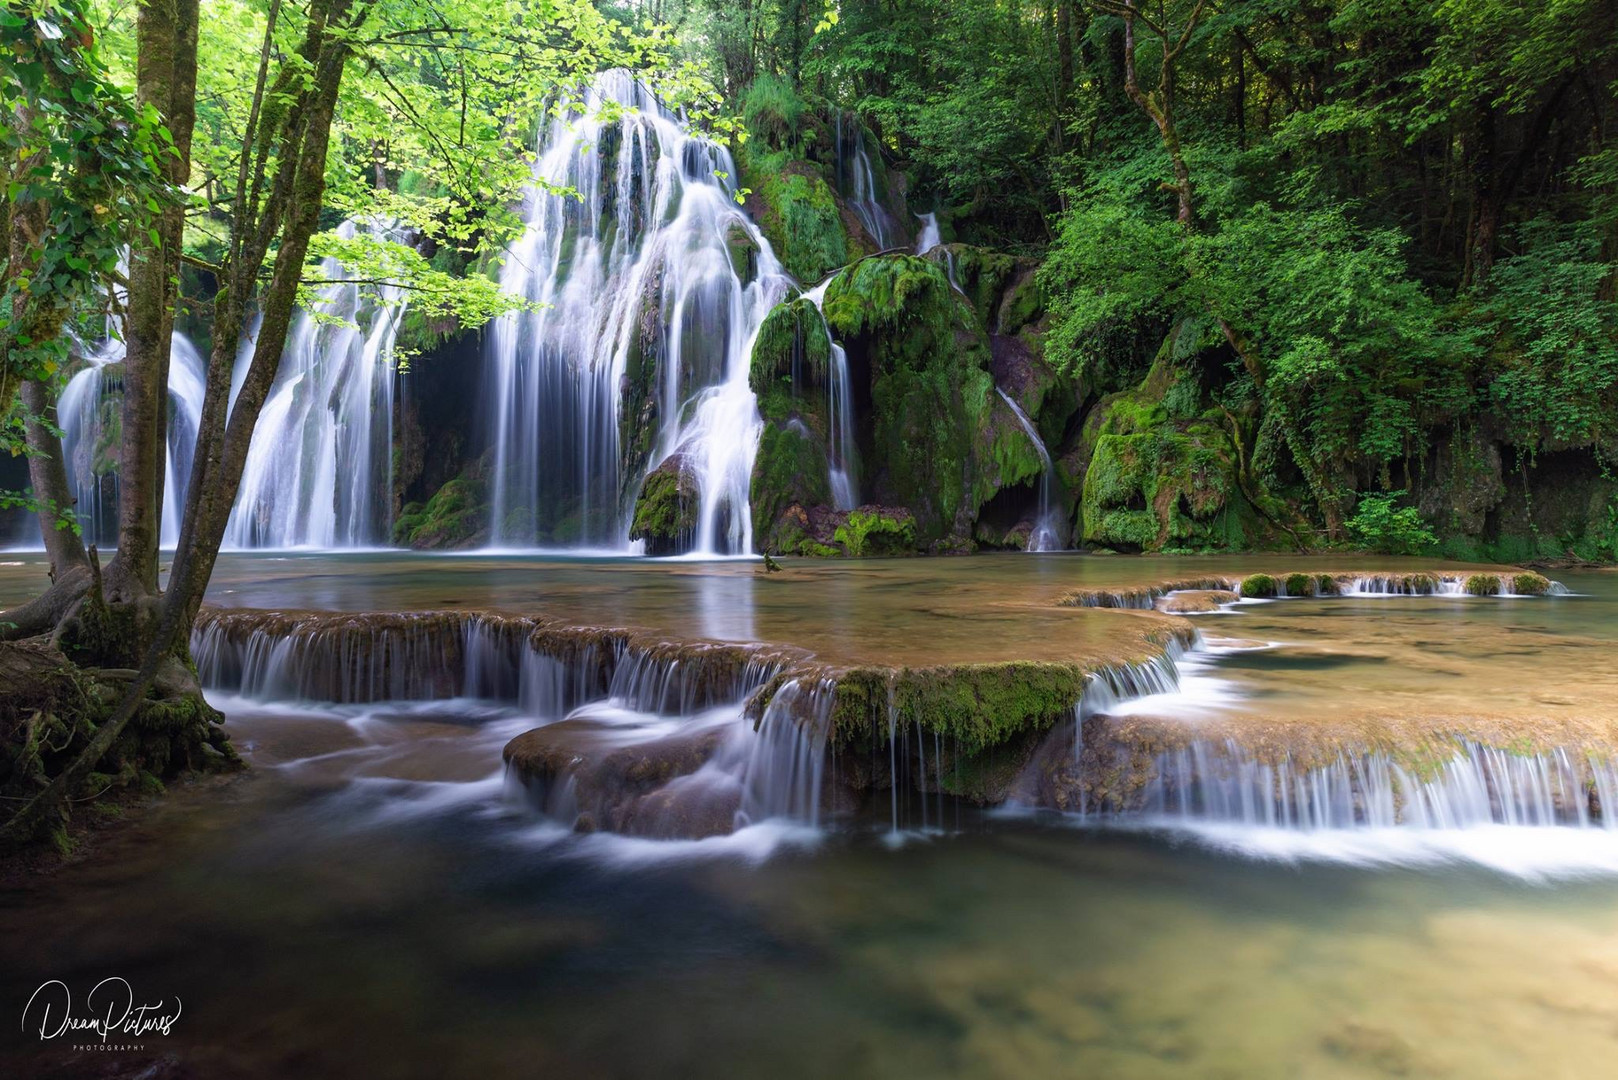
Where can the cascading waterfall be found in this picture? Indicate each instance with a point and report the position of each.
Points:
(1223, 781)
(83, 411)
(839, 411)
(781, 766)
(416, 656)
(652, 287)
(930, 237)
(319, 469)
(856, 178)
(1046, 534)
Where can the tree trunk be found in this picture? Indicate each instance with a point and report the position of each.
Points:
(48, 472)
(222, 447)
(166, 77)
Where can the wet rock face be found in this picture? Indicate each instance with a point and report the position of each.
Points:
(667, 508)
(579, 770)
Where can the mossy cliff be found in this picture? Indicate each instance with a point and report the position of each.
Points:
(1164, 468)
(799, 200)
(930, 431)
(457, 514)
(935, 444)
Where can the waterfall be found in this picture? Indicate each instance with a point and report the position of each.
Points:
(839, 412)
(319, 469)
(414, 656)
(782, 765)
(856, 179)
(929, 238)
(653, 285)
(83, 410)
(1223, 781)
(1046, 535)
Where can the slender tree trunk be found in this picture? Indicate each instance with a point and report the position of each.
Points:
(291, 213)
(166, 78)
(47, 471)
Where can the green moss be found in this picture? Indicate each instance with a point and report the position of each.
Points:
(1258, 586)
(788, 368)
(666, 510)
(456, 514)
(1483, 585)
(932, 414)
(976, 706)
(790, 470)
(1300, 584)
(1529, 583)
(875, 532)
(800, 216)
(743, 251)
(1154, 450)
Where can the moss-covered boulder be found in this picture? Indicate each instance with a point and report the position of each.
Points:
(930, 428)
(788, 371)
(667, 508)
(1528, 583)
(1163, 466)
(456, 516)
(877, 530)
(790, 480)
(1001, 287)
(1259, 587)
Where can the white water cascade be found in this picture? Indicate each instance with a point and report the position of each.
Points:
(930, 237)
(1046, 535)
(320, 466)
(840, 413)
(856, 179)
(653, 286)
(84, 408)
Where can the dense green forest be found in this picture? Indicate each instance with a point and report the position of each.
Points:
(1370, 245)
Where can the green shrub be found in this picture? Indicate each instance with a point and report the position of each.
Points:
(1381, 528)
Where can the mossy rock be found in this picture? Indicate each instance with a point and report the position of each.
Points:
(1300, 584)
(1483, 585)
(456, 515)
(790, 475)
(788, 370)
(743, 251)
(875, 531)
(798, 213)
(1258, 586)
(931, 395)
(666, 509)
(1529, 583)
(1156, 452)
